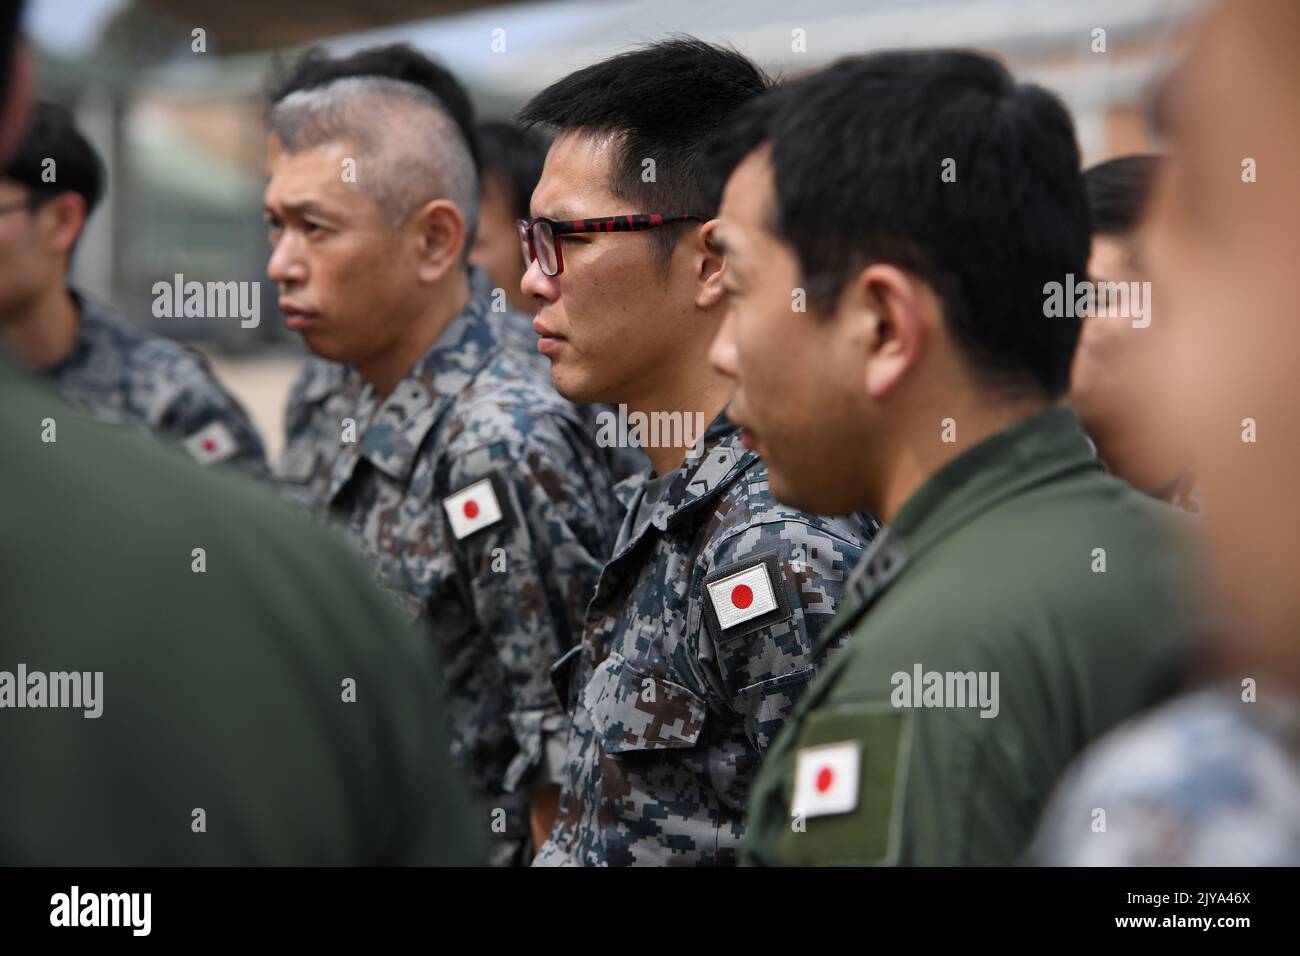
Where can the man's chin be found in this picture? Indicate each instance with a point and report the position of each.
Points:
(325, 346)
(573, 385)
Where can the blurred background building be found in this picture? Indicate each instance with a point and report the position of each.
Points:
(171, 92)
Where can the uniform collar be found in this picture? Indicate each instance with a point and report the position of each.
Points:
(94, 326)
(1042, 448)
(325, 379)
(698, 480)
(396, 430)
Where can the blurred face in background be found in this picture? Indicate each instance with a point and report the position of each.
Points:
(34, 244)
(348, 282)
(1223, 254)
(496, 245)
(25, 270)
(1109, 383)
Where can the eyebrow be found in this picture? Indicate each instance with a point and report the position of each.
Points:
(304, 208)
(559, 214)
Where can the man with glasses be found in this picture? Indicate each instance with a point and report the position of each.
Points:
(700, 636)
(113, 370)
(474, 489)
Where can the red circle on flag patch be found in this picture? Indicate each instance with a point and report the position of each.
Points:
(471, 509)
(209, 445)
(742, 596)
(825, 777)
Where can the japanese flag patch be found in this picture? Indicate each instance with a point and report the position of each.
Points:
(211, 443)
(473, 508)
(746, 596)
(826, 779)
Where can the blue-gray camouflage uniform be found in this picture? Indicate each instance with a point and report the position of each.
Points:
(482, 502)
(698, 642)
(325, 393)
(322, 399)
(1209, 779)
(125, 375)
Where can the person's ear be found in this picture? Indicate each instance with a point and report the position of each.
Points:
(709, 265)
(60, 221)
(441, 232)
(888, 310)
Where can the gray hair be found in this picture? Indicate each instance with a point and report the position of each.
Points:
(410, 149)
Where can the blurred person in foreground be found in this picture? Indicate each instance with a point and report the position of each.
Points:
(1213, 778)
(1109, 385)
(171, 715)
(475, 490)
(113, 370)
(1018, 600)
(700, 636)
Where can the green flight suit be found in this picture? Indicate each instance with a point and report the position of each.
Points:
(161, 705)
(1019, 559)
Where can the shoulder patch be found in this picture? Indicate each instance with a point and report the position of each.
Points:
(212, 443)
(473, 508)
(849, 787)
(746, 596)
(826, 779)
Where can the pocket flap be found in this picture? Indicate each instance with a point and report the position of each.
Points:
(634, 711)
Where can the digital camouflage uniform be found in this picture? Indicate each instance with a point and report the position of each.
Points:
(483, 504)
(1207, 780)
(325, 393)
(323, 396)
(697, 644)
(125, 375)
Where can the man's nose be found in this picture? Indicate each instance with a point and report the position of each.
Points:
(285, 265)
(722, 353)
(539, 285)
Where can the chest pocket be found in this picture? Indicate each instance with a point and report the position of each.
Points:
(634, 711)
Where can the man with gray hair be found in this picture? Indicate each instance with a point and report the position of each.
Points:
(470, 484)
(325, 391)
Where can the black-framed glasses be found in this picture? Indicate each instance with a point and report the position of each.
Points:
(539, 239)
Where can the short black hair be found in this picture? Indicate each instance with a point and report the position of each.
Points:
(1118, 190)
(859, 153)
(664, 101)
(395, 61)
(515, 155)
(77, 167)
